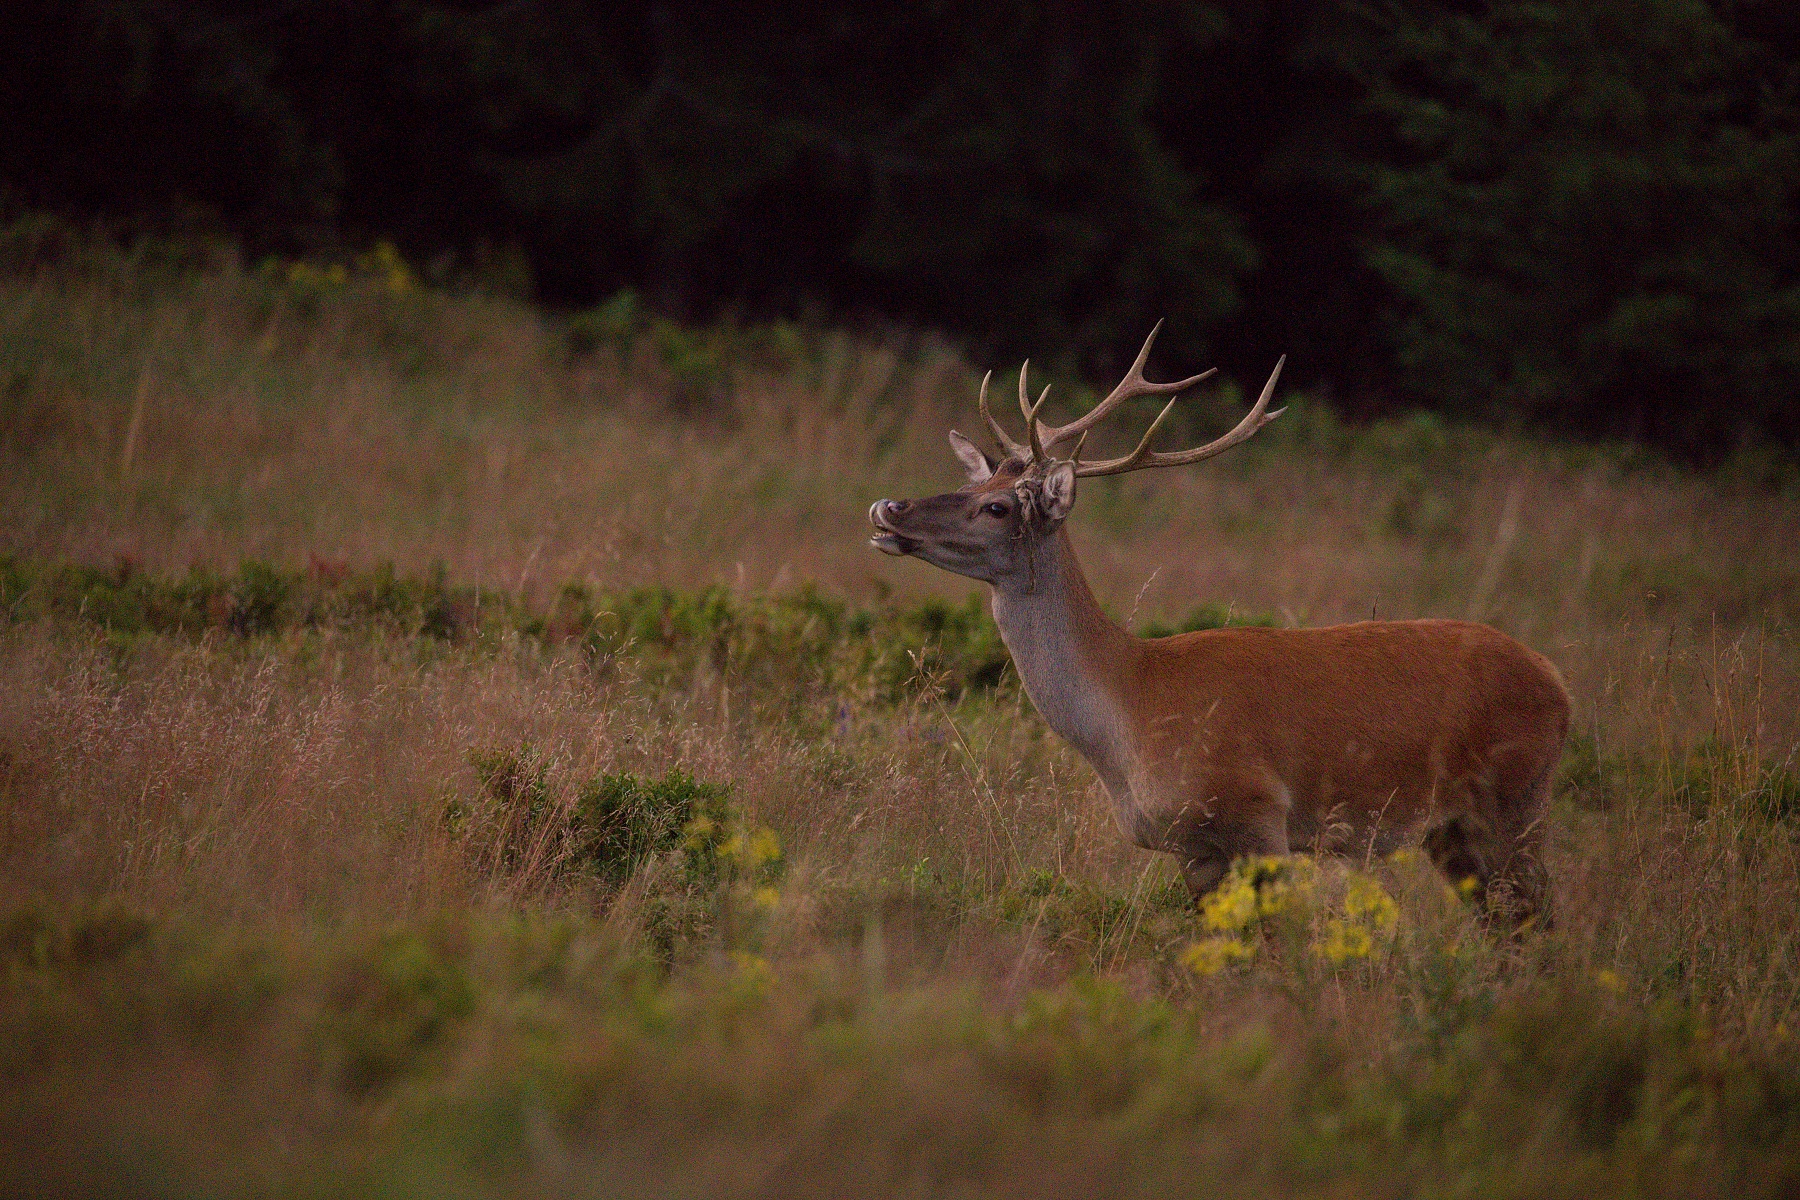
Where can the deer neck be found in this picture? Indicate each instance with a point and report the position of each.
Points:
(1073, 661)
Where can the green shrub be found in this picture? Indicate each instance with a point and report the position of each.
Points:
(1777, 796)
(257, 596)
(1587, 776)
(788, 646)
(622, 821)
(609, 826)
(515, 806)
(1717, 776)
(33, 938)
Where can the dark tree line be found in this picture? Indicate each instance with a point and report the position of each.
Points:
(1575, 215)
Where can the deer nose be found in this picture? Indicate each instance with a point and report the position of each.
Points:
(885, 510)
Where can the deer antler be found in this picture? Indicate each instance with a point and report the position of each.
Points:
(1046, 440)
(1132, 386)
(1143, 456)
(1009, 447)
(1031, 411)
(1034, 451)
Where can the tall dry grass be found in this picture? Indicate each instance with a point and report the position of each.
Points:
(945, 857)
(230, 417)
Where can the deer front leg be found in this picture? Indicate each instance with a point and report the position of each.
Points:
(1209, 848)
(1202, 874)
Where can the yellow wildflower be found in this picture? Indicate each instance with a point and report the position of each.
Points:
(1345, 941)
(698, 833)
(1258, 887)
(1231, 908)
(1212, 955)
(764, 846)
(1368, 903)
(754, 975)
(385, 263)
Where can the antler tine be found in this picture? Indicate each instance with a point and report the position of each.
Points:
(1030, 425)
(1025, 404)
(1031, 411)
(1133, 385)
(1007, 445)
(1142, 456)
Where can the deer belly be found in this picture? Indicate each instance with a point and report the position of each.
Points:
(1339, 818)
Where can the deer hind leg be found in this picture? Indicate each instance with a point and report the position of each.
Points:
(1521, 883)
(1457, 844)
(1520, 891)
(1502, 874)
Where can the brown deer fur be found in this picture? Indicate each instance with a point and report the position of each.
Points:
(1353, 739)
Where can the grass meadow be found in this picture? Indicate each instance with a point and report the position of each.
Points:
(449, 749)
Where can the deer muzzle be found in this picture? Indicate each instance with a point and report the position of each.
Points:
(886, 538)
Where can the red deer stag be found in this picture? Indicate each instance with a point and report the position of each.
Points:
(1349, 739)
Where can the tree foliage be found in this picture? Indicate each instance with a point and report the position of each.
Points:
(1590, 218)
(1577, 215)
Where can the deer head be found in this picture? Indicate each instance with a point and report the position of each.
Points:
(992, 527)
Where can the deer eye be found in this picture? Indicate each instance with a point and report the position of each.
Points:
(995, 509)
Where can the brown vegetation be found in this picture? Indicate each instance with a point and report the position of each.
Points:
(250, 920)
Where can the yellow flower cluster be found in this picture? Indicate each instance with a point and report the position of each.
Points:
(1256, 890)
(743, 855)
(306, 275)
(697, 834)
(1259, 890)
(753, 977)
(1209, 956)
(1367, 902)
(381, 266)
(747, 850)
(1369, 920)
(752, 850)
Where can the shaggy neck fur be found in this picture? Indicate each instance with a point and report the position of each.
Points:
(1073, 661)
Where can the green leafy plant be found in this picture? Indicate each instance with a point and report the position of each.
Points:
(621, 821)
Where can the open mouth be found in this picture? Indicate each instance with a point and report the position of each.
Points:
(893, 543)
(886, 539)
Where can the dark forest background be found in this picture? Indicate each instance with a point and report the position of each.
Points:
(1578, 217)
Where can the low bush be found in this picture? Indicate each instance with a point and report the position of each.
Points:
(528, 821)
(490, 1055)
(389, 1003)
(786, 641)
(621, 821)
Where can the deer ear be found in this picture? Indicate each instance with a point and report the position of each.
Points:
(1059, 490)
(974, 460)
